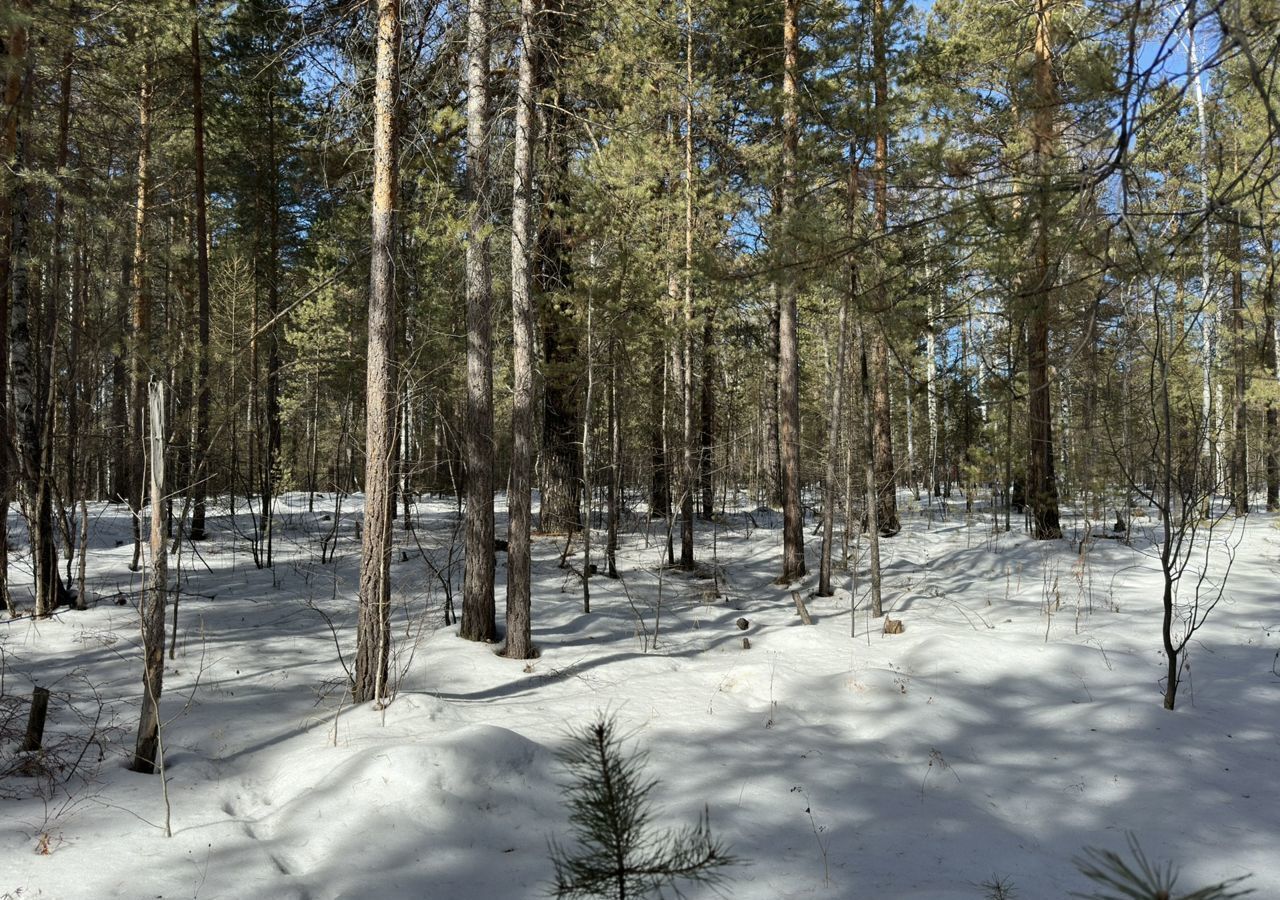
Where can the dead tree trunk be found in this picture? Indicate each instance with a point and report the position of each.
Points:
(833, 451)
(141, 311)
(147, 752)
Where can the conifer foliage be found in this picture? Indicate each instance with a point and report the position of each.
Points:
(620, 852)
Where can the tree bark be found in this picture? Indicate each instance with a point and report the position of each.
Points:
(772, 449)
(271, 451)
(1240, 454)
(16, 50)
(615, 463)
(793, 564)
(374, 635)
(200, 466)
(478, 613)
(561, 416)
(687, 470)
(30, 402)
(707, 433)
(147, 750)
(1271, 349)
(836, 414)
(140, 317)
(881, 408)
(1042, 486)
(869, 483)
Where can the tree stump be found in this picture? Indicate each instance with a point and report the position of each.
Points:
(34, 738)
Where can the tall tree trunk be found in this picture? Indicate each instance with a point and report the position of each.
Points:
(200, 465)
(561, 415)
(1240, 454)
(793, 565)
(869, 482)
(524, 241)
(615, 463)
(881, 408)
(587, 486)
(707, 433)
(836, 414)
(1042, 486)
(772, 449)
(29, 401)
(687, 470)
(63, 307)
(374, 636)
(147, 750)
(931, 398)
(1207, 314)
(119, 431)
(478, 613)
(140, 318)
(1271, 360)
(659, 484)
(16, 50)
(271, 450)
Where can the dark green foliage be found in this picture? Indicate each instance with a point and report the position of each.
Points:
(1140, 879)
(620, 854)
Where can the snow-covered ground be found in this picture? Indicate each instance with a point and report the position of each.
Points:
(1016, 720)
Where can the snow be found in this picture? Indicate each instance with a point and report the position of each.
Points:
(1017, 719)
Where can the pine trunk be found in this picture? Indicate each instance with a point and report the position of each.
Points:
(561, 417)
(1272, 363)
(478, 613)
(1240, 450)
(793, 564)
(523, 244)
(374, 635)
(1042, 486)
(16, 51)
(881, 408)
(687, 470)
(199, 465)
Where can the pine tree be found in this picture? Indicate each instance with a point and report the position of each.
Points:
(620, 854)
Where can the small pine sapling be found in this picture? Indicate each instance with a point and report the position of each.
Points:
(1118, 879)
(620, 853)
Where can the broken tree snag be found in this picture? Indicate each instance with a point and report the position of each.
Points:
(893, 626)
(801, 609)
(35, 722)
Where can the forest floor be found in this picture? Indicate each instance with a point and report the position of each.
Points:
(1015, 721)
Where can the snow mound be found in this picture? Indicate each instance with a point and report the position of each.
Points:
(417, 814)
